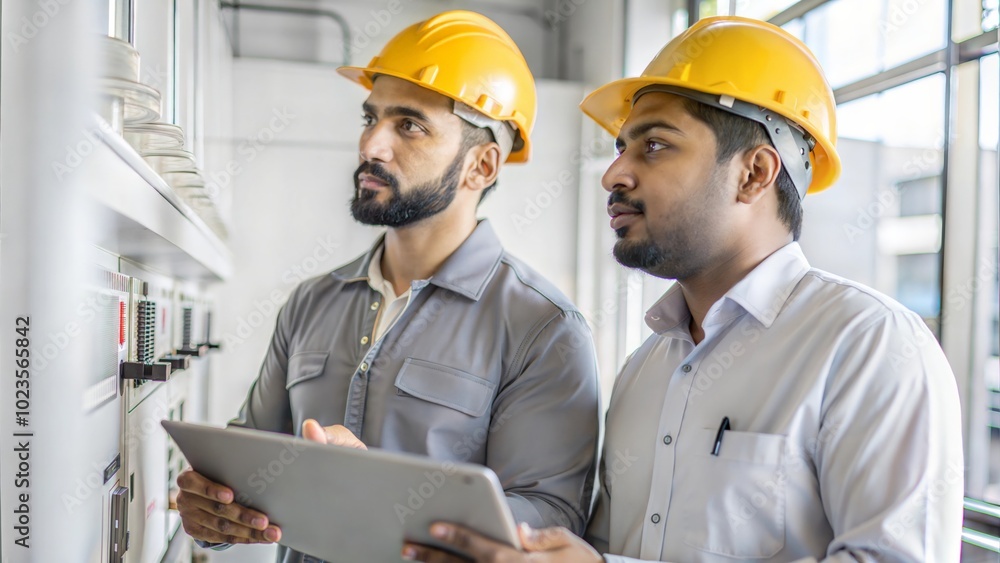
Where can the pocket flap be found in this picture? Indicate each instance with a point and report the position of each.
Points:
(303, 366)
(446, 386)
(748, 447)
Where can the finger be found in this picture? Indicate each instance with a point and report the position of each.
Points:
(340, 436)
(312, 431)
(417, 552)
(227, 527)
(235, 512)
(196, 483)
(545, 539)
(199, 532)
(467, 541)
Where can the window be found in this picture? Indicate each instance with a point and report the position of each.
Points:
(857, 38)
(881, 223)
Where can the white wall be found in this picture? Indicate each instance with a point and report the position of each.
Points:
(373, 22)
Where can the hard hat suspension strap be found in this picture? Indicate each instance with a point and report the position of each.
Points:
(791, 141)
(503, 133)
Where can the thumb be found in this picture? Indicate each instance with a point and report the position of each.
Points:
(312, 431)
(545, 539)
(338, 435)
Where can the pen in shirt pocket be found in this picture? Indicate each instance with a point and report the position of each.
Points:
(718, 436)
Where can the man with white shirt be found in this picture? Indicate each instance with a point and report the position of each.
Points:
(436, 341)
(778, 412)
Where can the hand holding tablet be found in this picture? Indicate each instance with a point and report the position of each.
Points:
(336, 503)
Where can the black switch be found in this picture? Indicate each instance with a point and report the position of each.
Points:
(177, 361)
(139, 371)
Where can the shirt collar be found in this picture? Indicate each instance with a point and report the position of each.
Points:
(375, 279)
(467, 271)
(762, 293)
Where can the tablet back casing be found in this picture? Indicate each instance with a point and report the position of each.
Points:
(342, 504)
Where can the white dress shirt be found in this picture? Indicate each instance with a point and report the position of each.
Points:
(845, 440)
(393, 305)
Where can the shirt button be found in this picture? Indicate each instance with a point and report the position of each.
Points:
(364, 340)
(374, 305)
(686, 368)
(655, 518)
(667, 439)
(364, 366)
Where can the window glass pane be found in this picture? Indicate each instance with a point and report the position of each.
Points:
(991, 14)
(796, 27)
(828, 25)
(881, 223)
(761, 9)
(989, 131)
(709, 8)
(857, 38)
(989, 102)
(911, 29)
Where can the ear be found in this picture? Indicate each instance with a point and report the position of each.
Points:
(483, 165)
(759, 174)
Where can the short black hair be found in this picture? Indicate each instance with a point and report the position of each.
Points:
(473, 136)
(735, 134)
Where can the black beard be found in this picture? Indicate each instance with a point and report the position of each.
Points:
(680, 251)
(419, 203)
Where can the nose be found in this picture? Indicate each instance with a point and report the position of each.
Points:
(618, 176)
(376, 143)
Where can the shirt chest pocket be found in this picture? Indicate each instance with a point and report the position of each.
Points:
(445, 386)
(303, 366)
(733, 504)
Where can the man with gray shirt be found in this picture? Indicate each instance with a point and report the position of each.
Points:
(436, 341)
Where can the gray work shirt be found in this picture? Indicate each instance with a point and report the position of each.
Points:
(489, 364)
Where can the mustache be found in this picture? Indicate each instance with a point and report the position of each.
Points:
(375, 169)
(619, 197)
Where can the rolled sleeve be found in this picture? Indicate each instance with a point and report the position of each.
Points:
(544, 426)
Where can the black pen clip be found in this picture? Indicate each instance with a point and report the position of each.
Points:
(718, 436)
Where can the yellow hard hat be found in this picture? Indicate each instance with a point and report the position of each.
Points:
(468, 58)
(751, 68)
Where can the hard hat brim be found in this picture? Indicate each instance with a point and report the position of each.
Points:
(365, 77)
(610, 105)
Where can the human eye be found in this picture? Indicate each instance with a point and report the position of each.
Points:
(653, 146)
(410, 126)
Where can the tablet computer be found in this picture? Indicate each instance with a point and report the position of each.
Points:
(342, 504)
